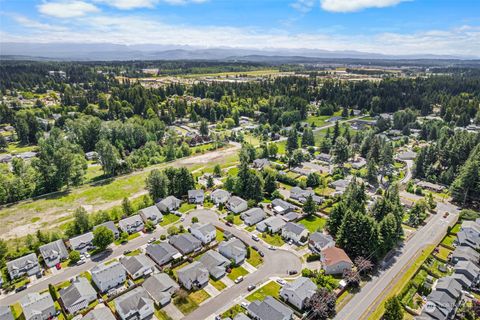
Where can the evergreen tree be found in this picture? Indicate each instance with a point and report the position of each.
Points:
(309, 207)
(308, 138)
(292, 140)
(393, 309)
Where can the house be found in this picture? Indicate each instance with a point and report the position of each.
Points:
(99, 313)
(233, 249)
(253, 216)
(38, 306)
(53, 253)
(162, 253)
(236, 204)
(131, 224)
(298, 292)
(269, 309)
(334, 119)
(467, 273)
(111, 226)
(335, 261)
(23, 266)
(138, 266)
(78, 295)
(92, 155)
(161, 288)
(135, 304)
(291, 216)
(340, 185)
(324, 157)
(358, 163)
(185, 243)
(295, 232)
(319, 241)
(282, 207)
(6, 313)
(259, 164)
(430, 186)
(108, 276)
(241, 316)
(463, 253)
(469, 235)
(196, 196)
(301, 195)
(82, 243)
(449, 285)
(219, 196)
(215, 263)
(169, 204)
(203, 232)
(193, 276)
(273, 224)
(407, 155)
(151, 214)
(440, 305)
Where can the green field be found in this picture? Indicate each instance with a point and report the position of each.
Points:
(237, 272)
(274, 240)
(255, 259)
(270, 289)
(313, 223)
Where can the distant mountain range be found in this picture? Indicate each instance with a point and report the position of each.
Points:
(109, 52)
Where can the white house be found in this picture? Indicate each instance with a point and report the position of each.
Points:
(319, 241)
(219, 196)
(38, 306)
(253, 216)
(233, 249)
(273, 224)
(295, 232)
(298, 292)
(193, 276)
(136, 304)
(151, 214)
(196, 196)
(203, 232)
(335, 261)
(108, 276)
(23, 266)
(138, 266)
(161, 288)
(131, 224)
(78, 295)
(236, 204)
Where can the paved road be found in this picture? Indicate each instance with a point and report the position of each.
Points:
(368, 299)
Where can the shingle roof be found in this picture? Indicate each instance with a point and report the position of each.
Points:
(136, 263)
(295, 228)
(185, 242)
(269, 309)
(162, 250)
(23, 262)
(334, 255)
(132, 301)
(53, 249)
(151, 212)
(109, 224)
(102, 313)
(195, 193)
(320, 239)
(204, 229)
(79, 289)
(81, 240)
(108, 271)
(35, 303)
(158, 285)
(303, 287)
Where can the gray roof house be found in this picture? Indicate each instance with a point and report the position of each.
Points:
(295, 232)
(111, 226)
(151, 214)
(301, 195)
(241, 316)
(135, 304)
(38, 306)
(185, 243)
(236, 204)
(215, 263)
(23, 266)
(324, 157)
(298, 292)
(138, 266)
(219, 196)
(196, 196)
(260, 163)
(469, 235)
(233, 249)
(319, 241)
(99, 313)
(253, 216)
(161, 288)
(440, 305)
(269, 309)
(53, 253)
(169, 204)
(273, 224)
(162, 253)
(467, 273)
(108, 276)
(463, 253)
(82, 243)
(282, 207)
(131, 224)
(6, 313)
(203, 232)
(449, 285)
(193, 276)
(78, 295)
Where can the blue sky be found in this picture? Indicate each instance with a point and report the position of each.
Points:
(383, 26)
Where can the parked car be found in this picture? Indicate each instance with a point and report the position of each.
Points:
(239, 279)
(81, 261)
(292, 272)
(152, 240)
(290, 242)
(21, 288)
(255, 238)
(58, 266)
(255, 248)
(261, 253)
(127, 252)
(281, 282)
(228, 224)
(251, 287)
(272, 248)
(244, 305)
(177, 213)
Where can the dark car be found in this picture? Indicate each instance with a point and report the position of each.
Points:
(228, 224)
(292, 272)
(251, 287)
(21, 288)
(261, 253)
(255, 248)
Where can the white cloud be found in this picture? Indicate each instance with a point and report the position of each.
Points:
(134, 4)
(303, 6)
(356, 5)
(39, 26)
(67, 9)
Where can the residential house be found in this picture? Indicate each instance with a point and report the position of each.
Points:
(241, 316)
(463, 253)
(169, 204)
(203, 232)
(431, 186)
(467, 273)
(440, 305)
(236, 204)
(100, 313)
(295, 232)
(215, 263)
(82, 243)
(298, 292)
(161, 288)
(273, 224)
(193, 275)
(469, 235)
(135, 304)
(6, 313)
(219, 196)
(301, 195)
(131, 224)
(407, 155)
(324, 157)
(111, 226)
(253, 216)
(291, 216)
(53, 253)
(358, 163)
(319, 241)
(38, 306)
(23, 266)
(259, 164)
(449, 285)
(282, 207)
(335, 261)
(162, 253)
(92, 155)
(138, 266)
(233, 249)
(269, 309)
(151, 214)
(185, 243)
(196, 196)
(78, 295)
(108, 276)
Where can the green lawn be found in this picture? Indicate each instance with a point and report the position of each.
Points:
(169, 219)
(236, 220)
(199, 296)
(443, 253)
(232, 312)
(274, 240)
(448, 240)
(187, 207)
(186, 305)
(162, 315)
(219, 285)
(135, 252)
(218, 235)
(270, 289)
(456, 228)
(17, 312)
(313, 223)
(255, 259)
(237, 272)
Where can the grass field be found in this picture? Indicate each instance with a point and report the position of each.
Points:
(169, 219)
(199, 296)
(237, 272)
(185, 207)
(219, 285)
(274, 240)
(255, 259)
(313, 223)
(270, 289)
(232, 312)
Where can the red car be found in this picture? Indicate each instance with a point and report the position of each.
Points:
(58, 266)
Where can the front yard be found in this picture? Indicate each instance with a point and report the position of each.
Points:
(237, 272)
(313, 223)
(274, 240)
(270, 289)
(168, 219)
(255, 258)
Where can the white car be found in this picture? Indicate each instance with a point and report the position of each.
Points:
(239, 279)
(272, 248)
(87, 255)
(81, 261)
(244, 304)
(281, 282)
